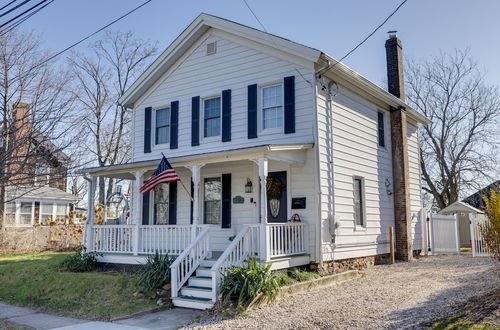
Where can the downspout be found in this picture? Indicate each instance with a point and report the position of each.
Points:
(319, 231)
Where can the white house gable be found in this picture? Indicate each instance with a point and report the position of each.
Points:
(217, 62)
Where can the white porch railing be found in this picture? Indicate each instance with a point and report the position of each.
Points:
(287, 239)
(187, 262)
(113, 238)
(164, 239)
(244, 246)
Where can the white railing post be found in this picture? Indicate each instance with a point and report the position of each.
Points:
(264, 249)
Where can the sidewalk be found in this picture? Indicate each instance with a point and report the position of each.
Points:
(166, 320)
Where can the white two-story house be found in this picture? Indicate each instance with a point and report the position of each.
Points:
(283, 153)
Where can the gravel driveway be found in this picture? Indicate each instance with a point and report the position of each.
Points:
(398, 296)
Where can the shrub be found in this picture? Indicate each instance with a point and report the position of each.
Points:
(283, 279)
(302, 275)
(80, 261)
(490, 230)
(155, 273)
(242, 284)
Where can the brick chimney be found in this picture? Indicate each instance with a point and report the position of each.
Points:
(400, 163)
(395, 75)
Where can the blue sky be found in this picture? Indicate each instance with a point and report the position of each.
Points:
(426, 27)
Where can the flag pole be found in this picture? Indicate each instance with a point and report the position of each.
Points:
(183, 186)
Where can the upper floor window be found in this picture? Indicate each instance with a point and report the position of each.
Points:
(162, 131)
(42, 175)
(381, 129)
(211, 116)
(359, 202)
(272, 106)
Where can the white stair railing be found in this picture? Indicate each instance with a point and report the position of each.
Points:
(187, 262)
(244, 246)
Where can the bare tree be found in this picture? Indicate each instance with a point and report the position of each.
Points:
(104, 75)
(36, 114)
(459, 148)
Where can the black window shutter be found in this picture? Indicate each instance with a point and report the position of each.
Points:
(174, 124)
(145, 209)
(192, 193)
(195, 121)
(172, 203)
(147, 130)
(381, 130)
(252, 111)
(226, 200)
(226, 115)
(289, 85)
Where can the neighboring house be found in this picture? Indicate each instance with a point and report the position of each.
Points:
(472, 205)
(36, 191)
(262, 130)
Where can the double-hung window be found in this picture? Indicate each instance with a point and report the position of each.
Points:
(162, 132)
(61, 211)
(46, 211)
(359, 202)
(26, 213)
(211, 117)
(381, 129)
(212, 200)
(272, 107)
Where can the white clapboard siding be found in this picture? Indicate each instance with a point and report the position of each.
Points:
(355, 152)
(235, 66)
(415, 188)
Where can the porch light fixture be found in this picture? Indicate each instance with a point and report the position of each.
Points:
(248, 186)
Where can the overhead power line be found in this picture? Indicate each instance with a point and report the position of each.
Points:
(92, 34)
(23, 13)
(368, 36)
(12, 9)
(13, 25)
(10, 3)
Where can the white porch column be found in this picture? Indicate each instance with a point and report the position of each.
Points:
(137, 208)
(264, 235)
(90, 214)
(195, 176)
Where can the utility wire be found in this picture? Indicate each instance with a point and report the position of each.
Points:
(12, 9)
(92, 34)
(10, 3)
(23, 13)
(368, 37)
(19, 22)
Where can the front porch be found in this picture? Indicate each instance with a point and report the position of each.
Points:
(222, 221)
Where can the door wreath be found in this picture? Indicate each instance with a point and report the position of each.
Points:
(274, 189)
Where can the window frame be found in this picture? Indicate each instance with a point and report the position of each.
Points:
(362, 199)
(155, 134)
(271, 130)
(215, 176)
(18, 213)
(381, 136)
(152, 219)
(42, 179)
(202, 115)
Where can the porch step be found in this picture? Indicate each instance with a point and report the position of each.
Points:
(197, 292)
(204, 272)
(193, 302)
(202, 281)
(208, 263)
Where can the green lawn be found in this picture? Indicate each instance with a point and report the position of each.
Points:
(34, 280)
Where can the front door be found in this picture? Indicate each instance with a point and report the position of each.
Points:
(276, 197)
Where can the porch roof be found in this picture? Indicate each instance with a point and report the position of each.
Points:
(289, 153)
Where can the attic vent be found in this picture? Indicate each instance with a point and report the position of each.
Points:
(212, 48)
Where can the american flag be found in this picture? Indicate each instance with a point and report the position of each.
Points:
(163, 174)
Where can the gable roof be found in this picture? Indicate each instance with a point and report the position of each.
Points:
(476, 199)
(459, 207)
(204, 22)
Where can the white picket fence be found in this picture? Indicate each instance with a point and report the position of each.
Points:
(477, 242)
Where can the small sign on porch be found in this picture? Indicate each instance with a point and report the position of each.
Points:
(238, 200)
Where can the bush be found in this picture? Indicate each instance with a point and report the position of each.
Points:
(80, 261)
(242, 284)
(283, 279)
(302, 275)
(490, 230)
(155, 273)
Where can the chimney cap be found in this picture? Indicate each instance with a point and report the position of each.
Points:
(393, 34)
